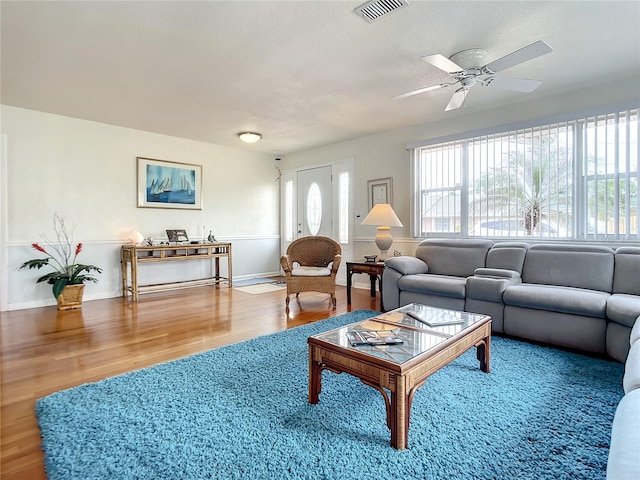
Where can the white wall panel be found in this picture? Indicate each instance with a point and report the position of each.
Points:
(251, 257)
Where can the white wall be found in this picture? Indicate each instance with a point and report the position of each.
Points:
(386, 155)
(86, 171)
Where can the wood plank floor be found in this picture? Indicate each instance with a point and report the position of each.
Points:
(44, 350)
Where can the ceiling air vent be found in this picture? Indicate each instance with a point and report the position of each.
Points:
(375, 9)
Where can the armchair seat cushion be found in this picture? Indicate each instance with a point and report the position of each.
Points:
(301, 271)
(443, 285)
(575, 301)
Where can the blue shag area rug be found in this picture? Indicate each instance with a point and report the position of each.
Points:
(241, 412)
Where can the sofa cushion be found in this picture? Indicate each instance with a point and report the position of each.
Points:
(579, 266)
(623, 309)
(631, 379)
(455, 257)
(507, 256)
(444, 285)
(623, 461)
(576, 301)
(627, 272)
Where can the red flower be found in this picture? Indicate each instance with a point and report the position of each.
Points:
(78, 248)
(39, 248)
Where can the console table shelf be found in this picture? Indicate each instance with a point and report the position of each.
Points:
(132, 255)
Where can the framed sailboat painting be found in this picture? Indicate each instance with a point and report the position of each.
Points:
(165, 184)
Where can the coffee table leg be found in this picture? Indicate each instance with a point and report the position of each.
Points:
(315, 378)
(399, 415)
(483, 351)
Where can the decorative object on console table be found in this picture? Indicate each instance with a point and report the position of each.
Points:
(177, 236)
(135, 237)
(383, 216)
(164, 184)
(68, 276)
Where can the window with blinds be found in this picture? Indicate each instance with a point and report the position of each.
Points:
(568, 180)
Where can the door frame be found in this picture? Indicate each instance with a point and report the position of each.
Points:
(290, 175)
(4, 196)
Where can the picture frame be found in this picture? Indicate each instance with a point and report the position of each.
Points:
(177, 236)
(380, 190)
(167, 184)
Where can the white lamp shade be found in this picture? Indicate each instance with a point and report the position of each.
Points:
(382, 215)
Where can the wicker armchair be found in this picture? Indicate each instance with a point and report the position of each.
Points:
(311, 265)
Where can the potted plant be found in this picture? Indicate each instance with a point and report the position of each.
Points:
(67, 277)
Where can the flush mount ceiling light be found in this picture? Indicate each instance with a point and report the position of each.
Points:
(249, 137)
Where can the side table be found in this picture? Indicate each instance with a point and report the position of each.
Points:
(373, 269)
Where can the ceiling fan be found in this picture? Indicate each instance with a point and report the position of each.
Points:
(466, 69)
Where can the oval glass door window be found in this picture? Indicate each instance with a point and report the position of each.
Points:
(314, 208)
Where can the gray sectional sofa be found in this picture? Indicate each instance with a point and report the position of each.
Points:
(578, 296)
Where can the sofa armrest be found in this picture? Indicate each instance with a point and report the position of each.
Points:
(631, 379)
(623, 462)
(495, 273)
(490, 288)
(407, 265)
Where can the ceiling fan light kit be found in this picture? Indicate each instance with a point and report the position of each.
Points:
(468, 66)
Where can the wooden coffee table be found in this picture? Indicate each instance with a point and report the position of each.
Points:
(397, 371)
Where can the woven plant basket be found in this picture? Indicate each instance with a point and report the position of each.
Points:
(71, 297)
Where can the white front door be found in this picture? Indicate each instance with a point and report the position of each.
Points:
(315, 202)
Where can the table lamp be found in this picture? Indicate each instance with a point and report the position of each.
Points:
(382, 216)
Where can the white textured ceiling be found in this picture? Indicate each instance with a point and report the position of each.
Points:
(303, 73)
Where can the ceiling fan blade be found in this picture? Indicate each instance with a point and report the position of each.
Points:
(516, 84)
(443, 63)
(525, 54)
(457, 100)
(421, 90)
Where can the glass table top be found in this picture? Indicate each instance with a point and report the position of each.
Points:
(420, 327)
